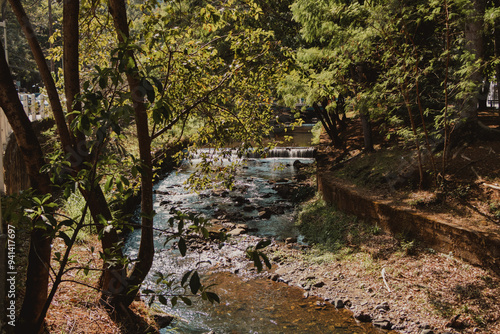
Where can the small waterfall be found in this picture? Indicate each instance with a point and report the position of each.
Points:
(286, 152)
(277, 152)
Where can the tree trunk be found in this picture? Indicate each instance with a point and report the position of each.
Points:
(97, 202)
(367, 130)
(144, 262)
(497, 52)
(40, 247)
(474, 44)
(329, 126)
(71, 38)
(472, 127)
(44, 70)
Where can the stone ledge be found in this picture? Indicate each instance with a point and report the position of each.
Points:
(479, 247)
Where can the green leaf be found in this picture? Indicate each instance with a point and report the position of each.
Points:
(256, 261)
(266, 260)
(150, 91)
(163, 300)
(263, 244)
(124, 180)
(182, 246)
(103, 82)
(186, 301)
(185, 277)
(213, 297)
(66, 238)
(158, 84)
(109, 183)
(195, 283)
(119, 185)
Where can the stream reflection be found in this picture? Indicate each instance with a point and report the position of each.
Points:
(266, 307)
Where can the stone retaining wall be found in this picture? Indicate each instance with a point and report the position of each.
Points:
(473, 245)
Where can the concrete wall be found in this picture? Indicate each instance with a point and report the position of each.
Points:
(475, 245)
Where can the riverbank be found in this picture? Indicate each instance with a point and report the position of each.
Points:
(390, 281)
(400, 279)
(396, 284)
(423, 291)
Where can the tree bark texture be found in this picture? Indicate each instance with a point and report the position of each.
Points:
(97, 202)
(474, 44)
(71, 38)
(44, 70)
(40, 247)
(118, 11)
(367, 130)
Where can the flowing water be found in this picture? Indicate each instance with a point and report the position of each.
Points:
(247, 306)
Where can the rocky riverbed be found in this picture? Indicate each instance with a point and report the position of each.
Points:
(392, 283)
(422, 292)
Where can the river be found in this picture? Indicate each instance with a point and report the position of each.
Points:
(254, 305)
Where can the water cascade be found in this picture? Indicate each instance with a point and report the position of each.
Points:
(247, 306)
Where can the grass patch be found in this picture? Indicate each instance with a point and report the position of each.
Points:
(73, 208)
(373, 169)
(331, 230)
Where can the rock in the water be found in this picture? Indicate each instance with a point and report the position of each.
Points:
(298, 164)
(163, 320)
(384, 306)
(339, 303)
(248, 208)
(237, 231)
(265, 214)
(384, 324)
(319, 284)
(363, 317)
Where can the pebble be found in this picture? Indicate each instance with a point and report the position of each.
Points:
(384, 324)
(382, 307)
(319, 284)
(363, 317)
(427, 331)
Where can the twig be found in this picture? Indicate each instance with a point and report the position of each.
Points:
(477, 175)
(491, 186)
(385, 281)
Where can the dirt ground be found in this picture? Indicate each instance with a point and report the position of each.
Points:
(402, 282)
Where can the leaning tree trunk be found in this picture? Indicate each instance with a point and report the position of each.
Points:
(74, 146)
(37, 278)
(111, 278)
(44, 70)
(144, 262)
